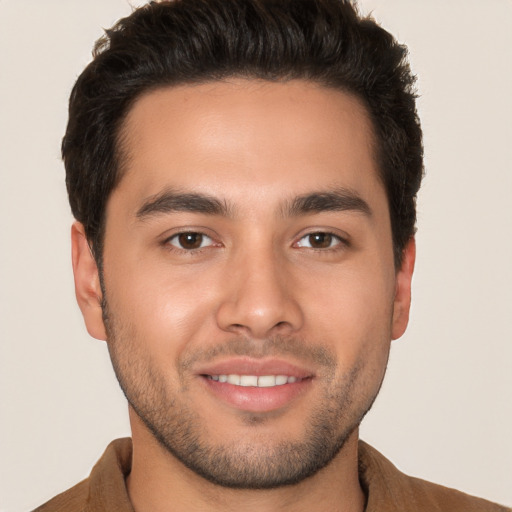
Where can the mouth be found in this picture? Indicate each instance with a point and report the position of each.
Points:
(255, 381)
(256, 385)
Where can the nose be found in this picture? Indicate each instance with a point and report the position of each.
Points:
(259, 299)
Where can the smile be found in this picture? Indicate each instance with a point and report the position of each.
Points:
(256, 385)
(259, 381)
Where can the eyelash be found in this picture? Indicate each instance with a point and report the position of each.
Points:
(340, 244)
(194, 250)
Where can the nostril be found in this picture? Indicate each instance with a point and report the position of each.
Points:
(259, 317)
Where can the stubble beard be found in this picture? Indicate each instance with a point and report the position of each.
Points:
(265, 464)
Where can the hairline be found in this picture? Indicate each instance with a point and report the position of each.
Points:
(122, 140)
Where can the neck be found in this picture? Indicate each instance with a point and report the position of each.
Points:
(158, 482)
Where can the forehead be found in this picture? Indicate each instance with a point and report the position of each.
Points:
(242, 136)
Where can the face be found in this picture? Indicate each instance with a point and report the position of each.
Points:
(250, 293)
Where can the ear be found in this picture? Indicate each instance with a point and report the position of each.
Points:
(402, 303)
(87, 282)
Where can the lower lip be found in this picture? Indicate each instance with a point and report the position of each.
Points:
(254, 399)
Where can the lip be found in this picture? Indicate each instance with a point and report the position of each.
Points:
(250, 366)
(256, 399)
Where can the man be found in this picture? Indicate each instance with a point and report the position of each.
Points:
(244, 175)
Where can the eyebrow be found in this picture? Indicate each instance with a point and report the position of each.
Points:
(338, 200)
(171, 201)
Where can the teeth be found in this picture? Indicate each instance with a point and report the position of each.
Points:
(248, 380)
(281, 379)
(262, 381)
(267, 381)
(234, 379)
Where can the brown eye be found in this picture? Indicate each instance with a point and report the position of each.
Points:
(190, 241)
(319, 240)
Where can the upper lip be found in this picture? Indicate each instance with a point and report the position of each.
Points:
(258, 367)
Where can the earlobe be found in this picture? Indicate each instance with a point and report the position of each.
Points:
(87, 282)
(402, 303)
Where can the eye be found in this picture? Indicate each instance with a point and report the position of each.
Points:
(190, 240)
(319, 240)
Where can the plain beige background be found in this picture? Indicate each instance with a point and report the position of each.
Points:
(445, 412)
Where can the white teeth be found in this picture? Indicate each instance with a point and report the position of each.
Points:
(262, 381)
(281, 379)
(248, 380)
(266, 381)
(234, 379)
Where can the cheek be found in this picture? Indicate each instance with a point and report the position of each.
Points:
(351, 309)
(169, 307)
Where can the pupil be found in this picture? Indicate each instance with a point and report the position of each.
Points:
(320, 240)
(190, 240)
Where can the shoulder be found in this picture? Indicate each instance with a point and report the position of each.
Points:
(388, 488)
(104, 490)
(72, 500)
(446, 499)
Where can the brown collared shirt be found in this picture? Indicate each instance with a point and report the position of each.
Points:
(386, 488)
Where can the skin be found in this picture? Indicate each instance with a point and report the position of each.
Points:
(255, 287)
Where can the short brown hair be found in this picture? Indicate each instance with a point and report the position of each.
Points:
(190, 41)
